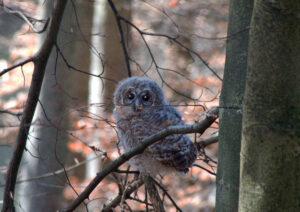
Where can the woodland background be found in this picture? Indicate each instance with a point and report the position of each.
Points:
(79, 105)
(180, 44)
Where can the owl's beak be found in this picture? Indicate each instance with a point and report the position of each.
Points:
(138, 106)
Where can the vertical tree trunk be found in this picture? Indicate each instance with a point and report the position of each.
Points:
(101, 91)
(271, 120)
(62, 89)
(231, 99)
(9, 25)
(153, 194)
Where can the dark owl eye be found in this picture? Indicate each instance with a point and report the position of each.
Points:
(131, 96)
(145, 98)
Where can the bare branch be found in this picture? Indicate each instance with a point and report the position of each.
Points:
(70, 66)
(207, 142)
(129, 190)
(21, 15)
(60, 171)
(11, 113)
(153, 194)
(201, 167)
(118, 20)
(168, 195)
(174, 39)
(200, 127)
(40, 60)
(4, 71)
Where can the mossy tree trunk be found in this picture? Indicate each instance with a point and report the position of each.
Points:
(230, 100)
(269, 179)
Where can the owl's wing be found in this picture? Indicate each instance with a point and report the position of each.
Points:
(175, 150)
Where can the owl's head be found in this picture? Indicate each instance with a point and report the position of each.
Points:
(138, 94)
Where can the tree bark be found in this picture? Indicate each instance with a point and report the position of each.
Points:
(269, 178)
(153, 194)
(230, 100)
(61, 89)
(40, 60)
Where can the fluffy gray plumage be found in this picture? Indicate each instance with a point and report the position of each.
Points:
(140, 111)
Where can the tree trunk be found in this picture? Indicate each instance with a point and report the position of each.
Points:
(9, 25)
(62, 89)
(153, 194)
(269, 179)
(230, 100)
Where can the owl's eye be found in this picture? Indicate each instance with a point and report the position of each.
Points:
(131, 96)
(145, 98)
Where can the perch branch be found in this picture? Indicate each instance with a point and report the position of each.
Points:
(200, 127)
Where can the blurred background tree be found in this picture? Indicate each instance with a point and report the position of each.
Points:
(62, 90)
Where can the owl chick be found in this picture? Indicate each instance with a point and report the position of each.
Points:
(142, 110)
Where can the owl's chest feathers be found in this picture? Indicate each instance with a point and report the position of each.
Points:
(134, 129)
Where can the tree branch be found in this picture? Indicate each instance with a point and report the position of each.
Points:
(174, 39)
(40, 60)
(206, 142)
(57, 172)
(11, 113)
(153, 194)
(118, 20)
(25, 18)
(201, 167)
(168, 195)
(200, 127)
(129, 190)
(4, 71)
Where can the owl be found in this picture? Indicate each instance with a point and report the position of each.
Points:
(142, 110)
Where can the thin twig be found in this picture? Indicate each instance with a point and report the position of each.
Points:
(141, 201)
(4, 71)
(168, 195)
(201, 167)
(60, 171)
(175, 40)
(129, 190)
(21, 15)
(118, 20)
(11, 113)
(206, 142)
